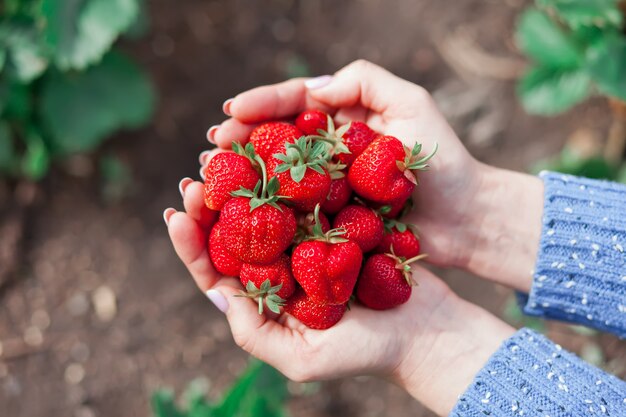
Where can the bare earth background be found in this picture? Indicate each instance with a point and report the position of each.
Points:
(95, 309)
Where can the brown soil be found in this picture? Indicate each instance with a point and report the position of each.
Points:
(96, 309)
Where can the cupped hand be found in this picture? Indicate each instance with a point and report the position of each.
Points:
(432, 345)
(365, 92)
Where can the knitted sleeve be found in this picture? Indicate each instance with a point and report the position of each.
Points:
(580, 275)
(531, 376)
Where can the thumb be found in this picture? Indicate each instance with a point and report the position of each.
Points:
(366, 84)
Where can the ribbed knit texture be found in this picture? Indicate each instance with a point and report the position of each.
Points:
(580, 277)
(531, 376)
(580, 274)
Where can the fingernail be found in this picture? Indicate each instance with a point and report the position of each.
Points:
(202, 174)
(318, 82)
(226, 106)
(218, 300)
(203, 158)
(183, 184)
(210, 134)
(167, 214)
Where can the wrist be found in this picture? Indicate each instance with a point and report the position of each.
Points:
(506, 227)
(439, 366)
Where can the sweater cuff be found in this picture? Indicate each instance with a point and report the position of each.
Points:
(531, 376)
(580, 275)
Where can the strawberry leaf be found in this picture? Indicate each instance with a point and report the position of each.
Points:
(282, 168)
(272, 186)
(237, 148)
(317, 169)
(297, 173)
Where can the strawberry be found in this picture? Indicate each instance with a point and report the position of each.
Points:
(392, 209)
(338, 196)
(227, 172)
(306, 223)
(223, 261)
(257, 228)
(363, 226)
(385, 281)
(400, 239)
(326, 265)
(269, 137)
(311, 314)
(278, 273)
(347, 142)
(273, 282)
(311, 121)
(301, 173)
(384, 172)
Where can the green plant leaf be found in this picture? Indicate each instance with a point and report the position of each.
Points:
(81, 109)
(36, 160)
(15, 100)
(24, 59)
(80, 32)
(164, 404)
(545, 42)
(575, 13)
(547, 91)
(606, 62)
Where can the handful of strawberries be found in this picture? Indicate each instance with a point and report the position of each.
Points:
(277, 198)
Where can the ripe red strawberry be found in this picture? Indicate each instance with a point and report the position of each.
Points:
(356, 138)
(256, 227)
(399, 238)
(326, 266)
(311, 314)
(338, 196)
(385, 281)
(311, 121)
(301, 173)
(269, 138)
(227, 172)
(223, 261)
(363, 226)
(271, 283)
(383, 173)
(306, 223)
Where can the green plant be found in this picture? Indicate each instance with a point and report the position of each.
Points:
(62, 89)
(578, 49)
(260, 391)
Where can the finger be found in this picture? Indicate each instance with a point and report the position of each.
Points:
(260, 336)
(193, 200)
(206, 156)
(272, 102)
(232, 130)
(190, 244)
(363, 83)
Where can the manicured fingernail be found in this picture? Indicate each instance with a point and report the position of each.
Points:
(318, 82)
(210, 134)
(183, 184)
(202, 174)
(226, 106)
(204, 157)
(167, 214)
(218, 300)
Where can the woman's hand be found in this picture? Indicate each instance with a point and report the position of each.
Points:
(470, 215)
(432, 345)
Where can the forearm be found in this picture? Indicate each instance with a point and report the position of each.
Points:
(505, 227)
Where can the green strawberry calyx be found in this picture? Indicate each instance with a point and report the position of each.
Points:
(247, 151)
(333, 137)
(305, 153)
(265, 293)
(404, 265)
(390, 224)
(412, 161)
(332, 236)
(336, 170)
(264, 192)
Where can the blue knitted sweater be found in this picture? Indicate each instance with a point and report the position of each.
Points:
(580, 277)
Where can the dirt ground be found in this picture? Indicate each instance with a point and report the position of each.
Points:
(96, 310)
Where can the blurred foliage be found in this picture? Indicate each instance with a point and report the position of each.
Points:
(260, 391)
(62, 88)
(569, 161)
(578, 48)
(512, 313)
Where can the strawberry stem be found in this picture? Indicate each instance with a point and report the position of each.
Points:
(414, 259)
